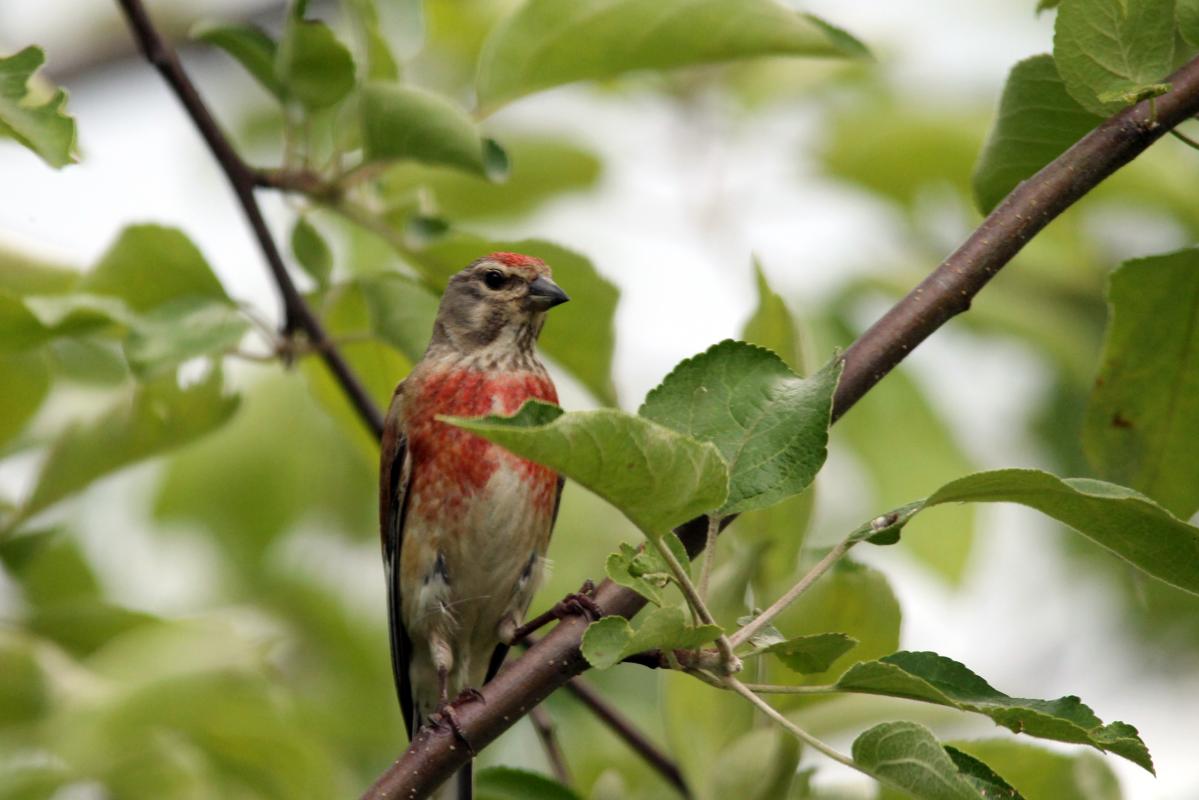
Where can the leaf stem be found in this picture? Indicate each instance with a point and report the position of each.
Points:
(776, 688)
(746, 631)
(705, 571)
(796, 731)
(731, 662)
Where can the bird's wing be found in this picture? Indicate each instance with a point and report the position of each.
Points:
(501, 650)
(395, 473)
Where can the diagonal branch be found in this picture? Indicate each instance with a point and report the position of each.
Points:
(298, 316)
(435, 754)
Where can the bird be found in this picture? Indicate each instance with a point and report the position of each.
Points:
(464, 523)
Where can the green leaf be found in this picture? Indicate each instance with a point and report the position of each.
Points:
(22, 274)
(401, 312)
(809, 655)
(313, 67)
(158, 417)
(643, 570)
(771, 325)
(771, 425)
(580, 335)
(932, 678)
(546, 43)
(1188, 20)
(45, 129)
(311, 251)
(249, 45)
(149, 265)
(26, 381)
(759, 765)
(610, 639)
(1125, 522)
(543, 167)
(180, 330)
(509, 783)
(1039, 774)
(852, 598)
(657, 477)
(1143, 417)
(907, 756)
(1036, 122)
(380, 63)
(400, 122)
(1108, 48)
(25, 692)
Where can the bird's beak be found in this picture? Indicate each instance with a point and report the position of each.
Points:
(545, 294)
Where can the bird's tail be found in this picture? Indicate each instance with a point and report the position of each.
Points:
(459, 787)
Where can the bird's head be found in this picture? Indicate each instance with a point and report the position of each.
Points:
(497, 303)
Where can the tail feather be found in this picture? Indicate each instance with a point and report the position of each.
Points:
(465, 779)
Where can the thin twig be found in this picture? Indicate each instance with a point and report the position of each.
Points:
(297, 315)
(705, 570)
(433, 757)
(1182, 137)
(731, 662)
(624, 727)
(746, 631)
(776, 688)
(795, 730)
(543, 724)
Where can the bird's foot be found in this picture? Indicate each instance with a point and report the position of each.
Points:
(446, 714)
(581, 603)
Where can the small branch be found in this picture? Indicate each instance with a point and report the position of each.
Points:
(795, 730)
(297, 315)
(1182, 137)
(705, 571)
(623, 727)
(743, 634)
(543, 724)
(775, 688)
(732, 664)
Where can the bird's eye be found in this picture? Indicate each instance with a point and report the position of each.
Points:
(494, 279)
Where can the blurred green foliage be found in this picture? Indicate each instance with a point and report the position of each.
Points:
(270, 677)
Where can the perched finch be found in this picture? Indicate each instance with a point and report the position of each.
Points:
(465, 523)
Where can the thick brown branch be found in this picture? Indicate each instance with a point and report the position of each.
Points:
(297, 314)
(555, 659)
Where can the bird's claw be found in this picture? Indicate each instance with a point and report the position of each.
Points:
(446, 714)
(581, 603)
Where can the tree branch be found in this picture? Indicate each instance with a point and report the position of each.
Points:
(298, 316)
(543, 724)
(434, 753)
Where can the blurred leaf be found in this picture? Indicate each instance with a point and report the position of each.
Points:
(897, 418)
(657, 477)
(22, 274)
(26, 381)
(1143, 417)
(401, 122)
(770, 425)
(757, 766)
(157, 417)
(771, 325)
(542, 168)
(311, 251)
(249, 45)
(1188, 20)
(611, 639)
(50, 568)
(544, 43)
(644, 570)
(811, 654)
(702, 723)
(898, 152)
(181, 330)
(402, 312)
(1039, 774)
(852, 598)
(580, 334)
(1036, 122)
(45, 129)
(1125, 522)
(508, 783)
(312, 66)
(149, 265)
(279, 461)
(24, 692)
(380, 63)
(87, 361)
(907, 756)
(1108, 48)
(932, 678)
